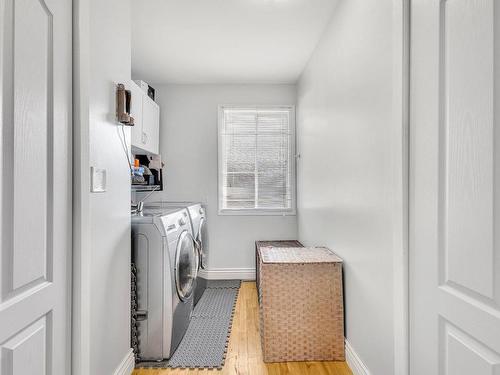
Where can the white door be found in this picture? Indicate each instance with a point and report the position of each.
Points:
(35, 186)
(455, 187)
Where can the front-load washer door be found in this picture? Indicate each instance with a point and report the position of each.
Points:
(186, 265)
(201, 238)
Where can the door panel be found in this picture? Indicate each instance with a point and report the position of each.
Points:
(465, 356)
(32, 128)
(35, 189)
(31, 344)
(466, 144)
(454, 202)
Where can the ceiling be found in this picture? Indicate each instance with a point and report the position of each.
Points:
(225, 41)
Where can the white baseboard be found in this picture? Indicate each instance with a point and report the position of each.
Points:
(355, 363)
(127, 365)
(228, 274)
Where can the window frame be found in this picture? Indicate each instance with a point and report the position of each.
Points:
(292, 211)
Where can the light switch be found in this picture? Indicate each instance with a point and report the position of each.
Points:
(98, 177)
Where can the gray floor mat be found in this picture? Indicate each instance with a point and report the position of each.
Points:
(223, 284)
(214, 303)
(205, 343)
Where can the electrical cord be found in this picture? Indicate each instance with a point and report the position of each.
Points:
(125, 147)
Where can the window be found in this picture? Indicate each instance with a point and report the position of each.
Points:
(256, 160)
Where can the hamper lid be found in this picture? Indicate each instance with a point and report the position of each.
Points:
(298, 255)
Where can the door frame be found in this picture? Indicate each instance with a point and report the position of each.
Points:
(81, 190)
(401, 172)
(81, 288)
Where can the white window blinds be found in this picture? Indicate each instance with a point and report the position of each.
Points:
(256, 162)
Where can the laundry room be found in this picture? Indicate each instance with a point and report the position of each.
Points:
(232, 153)
(235, 153)
(249, 187)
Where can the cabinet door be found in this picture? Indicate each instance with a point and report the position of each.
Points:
(150, 125)
(136, 113)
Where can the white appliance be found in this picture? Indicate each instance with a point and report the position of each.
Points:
(198, 219)
(167, 262)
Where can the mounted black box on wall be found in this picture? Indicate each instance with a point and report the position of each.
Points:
(123, 105)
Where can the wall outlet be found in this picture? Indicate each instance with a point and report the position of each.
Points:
(98, 180)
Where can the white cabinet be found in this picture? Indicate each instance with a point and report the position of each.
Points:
(150, 125)
(146, 114)
(136, 113)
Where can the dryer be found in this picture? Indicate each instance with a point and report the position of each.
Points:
(167, 262)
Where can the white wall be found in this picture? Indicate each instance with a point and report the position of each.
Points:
(188, 144)
(109, 61)
(346, 187)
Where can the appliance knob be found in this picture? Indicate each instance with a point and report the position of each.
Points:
(201, 211)
(182, 221)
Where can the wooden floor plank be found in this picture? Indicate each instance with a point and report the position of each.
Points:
(244, 355)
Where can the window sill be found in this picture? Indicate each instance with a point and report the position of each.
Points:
(252, 212)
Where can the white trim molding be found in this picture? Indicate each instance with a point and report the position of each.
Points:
(355, 363)
(228, 274)
(400, 167)
(127, 365)
(81, 340)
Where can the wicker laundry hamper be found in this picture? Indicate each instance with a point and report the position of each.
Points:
(262, 244)
(301, 304)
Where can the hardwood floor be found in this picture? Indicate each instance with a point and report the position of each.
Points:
(244, 355)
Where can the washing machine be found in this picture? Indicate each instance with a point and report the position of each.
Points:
(198, 220)
(167, 263)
